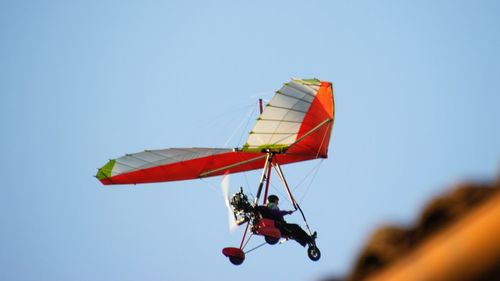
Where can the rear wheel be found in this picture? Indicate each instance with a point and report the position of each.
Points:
(314, 253)
(271, 240)
(236, 261)
(236, 255)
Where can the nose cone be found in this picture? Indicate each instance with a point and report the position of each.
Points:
(105, 172)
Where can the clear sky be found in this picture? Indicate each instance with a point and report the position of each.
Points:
(417, 99)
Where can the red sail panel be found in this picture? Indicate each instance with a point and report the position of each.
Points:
(214, 165)
(315, 131)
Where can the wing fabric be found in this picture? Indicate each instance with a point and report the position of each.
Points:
(296, 126)
(182, 164)
(157, 165)
(295, 110)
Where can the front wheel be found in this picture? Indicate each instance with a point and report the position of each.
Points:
(314, 253)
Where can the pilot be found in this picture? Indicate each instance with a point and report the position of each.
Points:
(291, 230)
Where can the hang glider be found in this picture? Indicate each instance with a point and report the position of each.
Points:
(294, 126)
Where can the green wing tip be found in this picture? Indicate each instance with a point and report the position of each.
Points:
(105, 171)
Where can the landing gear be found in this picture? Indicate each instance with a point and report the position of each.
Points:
(236, 255)
(236, 261)
(314, 253)
(260, 220)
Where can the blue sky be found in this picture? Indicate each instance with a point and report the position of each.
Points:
(416, 91)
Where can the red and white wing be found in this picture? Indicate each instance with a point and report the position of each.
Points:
(296, 125)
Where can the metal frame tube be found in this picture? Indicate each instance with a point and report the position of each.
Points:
(269, 159)
(244, 235)
(277, 167)
(268, 180)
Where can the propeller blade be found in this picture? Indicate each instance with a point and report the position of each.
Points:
(225, 184)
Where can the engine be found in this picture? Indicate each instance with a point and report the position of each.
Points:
(241, 207)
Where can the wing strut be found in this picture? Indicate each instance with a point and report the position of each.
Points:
(296, 205)
(263, 177)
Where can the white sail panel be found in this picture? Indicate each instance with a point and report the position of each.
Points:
(153, 158)
(263, 140)
(278, 127)
(120, 168)
(292, 92)
(304, 87)
(281, 100)
(281, 114)
(149, 156)
(280, 122)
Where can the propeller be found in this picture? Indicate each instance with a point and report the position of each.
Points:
(225, 183)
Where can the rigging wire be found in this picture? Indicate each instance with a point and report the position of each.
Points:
(247, 118)
(255, 248)
(250, 111)
(222, 120)
(315, 172)
(312, 173)
(282, 195)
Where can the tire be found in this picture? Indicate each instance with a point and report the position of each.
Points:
(236, 261)
(271, 240)
(314, 253)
